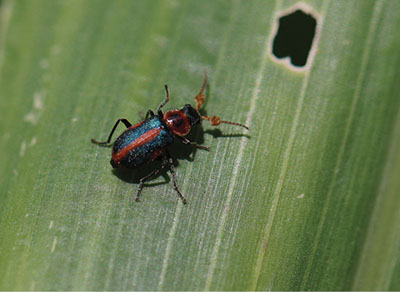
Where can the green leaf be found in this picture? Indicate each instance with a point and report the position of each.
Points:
(307, 199)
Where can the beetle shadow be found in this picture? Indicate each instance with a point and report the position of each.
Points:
(180, 151)
(217, 133)
(133, 176)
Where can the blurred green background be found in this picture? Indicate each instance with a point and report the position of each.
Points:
(309, 199)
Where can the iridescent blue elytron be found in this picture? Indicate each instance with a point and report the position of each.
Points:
(147, 140)
(144, 153)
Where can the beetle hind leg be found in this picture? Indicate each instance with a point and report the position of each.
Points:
(166, 160)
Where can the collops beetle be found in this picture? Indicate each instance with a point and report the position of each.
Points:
(147, 140)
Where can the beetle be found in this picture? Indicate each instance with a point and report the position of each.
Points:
(147, 140)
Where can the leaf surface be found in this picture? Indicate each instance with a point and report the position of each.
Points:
(307, 199)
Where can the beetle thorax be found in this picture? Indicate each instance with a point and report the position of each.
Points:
(177, 122)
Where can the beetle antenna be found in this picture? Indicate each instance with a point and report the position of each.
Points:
(199, 98)
(215, 121)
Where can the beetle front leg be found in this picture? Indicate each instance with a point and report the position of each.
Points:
(188, 142)
(107, 143)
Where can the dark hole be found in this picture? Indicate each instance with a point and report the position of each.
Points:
(294, 38)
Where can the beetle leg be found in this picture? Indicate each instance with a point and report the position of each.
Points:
(164, 102)
(107, 143)
(194, 144)
(143, 179)
(150, 114)
(172, 169)
(166, 159)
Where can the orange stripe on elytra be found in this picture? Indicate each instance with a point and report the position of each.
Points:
(146, 137)
(136, 125)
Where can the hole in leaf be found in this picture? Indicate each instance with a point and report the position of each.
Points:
(294, 38)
